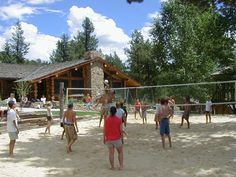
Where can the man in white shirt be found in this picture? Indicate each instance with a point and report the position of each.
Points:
(208, 109)
(11, 98)
(12, 126)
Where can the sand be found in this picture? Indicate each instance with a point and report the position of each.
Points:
(202, 150)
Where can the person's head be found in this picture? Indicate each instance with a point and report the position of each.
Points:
(118, 105)
(208, 97)
(113, 110)
(12, 95)
(164, 101)
(70, 106)
(137, 100)
(187, 99)
(11, 104)
(43, 96)
(88, 95)
(158, 100)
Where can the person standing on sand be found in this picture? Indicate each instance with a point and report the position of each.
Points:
(113, 137)
(70, 124)
(137, 108)
(49, 117)
(12, 126)
(208, 109)
(164, 116)
(186, 111)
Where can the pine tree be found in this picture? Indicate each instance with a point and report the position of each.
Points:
(19, 47)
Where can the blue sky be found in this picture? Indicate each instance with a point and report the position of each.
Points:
(44, 21)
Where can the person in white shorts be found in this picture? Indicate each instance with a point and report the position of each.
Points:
(12, 126)
(208, 109)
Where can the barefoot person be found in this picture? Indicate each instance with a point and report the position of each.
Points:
(107, 102)
(186, 111)
(164, 116)
(70, 123)
(12, 126)
(49, 118)
(113, 137)
(137, 108)
(208, 109)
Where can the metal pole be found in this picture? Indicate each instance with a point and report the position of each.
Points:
(61, 99)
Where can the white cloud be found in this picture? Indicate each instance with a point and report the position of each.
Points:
(15, 11)
(111, 38)
(146, 30)
(40, 1)
(41, 45)
(163, 1)
(153, 15)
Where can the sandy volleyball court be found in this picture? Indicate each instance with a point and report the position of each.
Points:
(203, 150)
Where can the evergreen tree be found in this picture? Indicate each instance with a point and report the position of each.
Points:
(6, 55)
(86, 37)
(114, 60)
(140, 63)
(62, 52)
(18, 46)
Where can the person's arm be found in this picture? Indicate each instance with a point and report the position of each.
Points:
(121, 133)
(104, 132)
(76, 126)
(14, 123)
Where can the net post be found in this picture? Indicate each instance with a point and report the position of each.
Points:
(67, 95)
(61, 99)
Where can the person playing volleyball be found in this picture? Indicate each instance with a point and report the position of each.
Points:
(186, 111)
(137, 108)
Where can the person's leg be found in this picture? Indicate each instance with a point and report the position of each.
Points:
(139, 113)
(101, 117)
(111, 156)
(206, 117)
(182, 121)
(187, 119)
(209, 117)
(169, 138)
(120, 157)
(156, 124)
(63, 132)
(135, 114)
(11, 147)
(49, 126)
(70, 144)
(163, 141)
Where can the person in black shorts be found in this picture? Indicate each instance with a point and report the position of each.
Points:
(186, 111)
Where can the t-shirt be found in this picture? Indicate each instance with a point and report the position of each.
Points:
(112, 128)
(88, 99)
(208, 105)
(120, 113)
(43, 99)
(158, 108)
(11, 116)
(137, 105)
(11, 99)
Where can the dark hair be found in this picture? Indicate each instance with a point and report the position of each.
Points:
(11, 103)
(113, 110)
(164, 101)
(70, 105)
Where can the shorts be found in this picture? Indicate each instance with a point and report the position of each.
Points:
(115, 143)
(164, 126)
(104, 110)
(13, 135)
(49, 118)
(144, 114)
(71, 134)
(185, 115)
(207, 112)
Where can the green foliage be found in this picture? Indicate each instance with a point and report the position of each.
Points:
(19, 48)
(74, 49)
(6, 55)
(23, 88)
(86, 37)
(114, 60)
(61, 53)
(141, 65)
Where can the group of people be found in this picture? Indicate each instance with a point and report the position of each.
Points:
(114, 116)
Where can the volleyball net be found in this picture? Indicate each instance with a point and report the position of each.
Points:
(221, 93)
